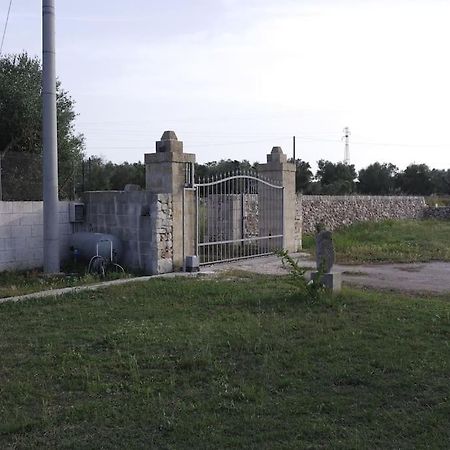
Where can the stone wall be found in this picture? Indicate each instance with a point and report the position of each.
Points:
(141, 220)
(339, 211)
(439, 212)
(22, 234)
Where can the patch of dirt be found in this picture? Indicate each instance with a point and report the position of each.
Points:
(410, 269)
(352, 273)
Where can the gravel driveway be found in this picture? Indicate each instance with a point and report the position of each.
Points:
(432, 277)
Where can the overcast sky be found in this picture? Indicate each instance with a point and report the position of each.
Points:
(235, 77)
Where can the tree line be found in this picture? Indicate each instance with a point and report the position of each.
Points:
(343, 179)
(375, 179)
(21, 153)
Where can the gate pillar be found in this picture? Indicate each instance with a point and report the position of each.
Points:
(279, 170)
(170, 171)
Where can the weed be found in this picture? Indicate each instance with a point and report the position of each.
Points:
(312, 290)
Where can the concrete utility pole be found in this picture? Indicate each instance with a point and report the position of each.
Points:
(293, 148)
(49, 140)
(346, 139)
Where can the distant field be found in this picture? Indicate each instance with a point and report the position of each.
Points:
(214, 364)
(390, 241)
(440, 200)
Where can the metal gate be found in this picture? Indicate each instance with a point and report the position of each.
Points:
(239, 215)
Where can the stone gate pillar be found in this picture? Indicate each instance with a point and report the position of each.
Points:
(166, 172)
(278, 169)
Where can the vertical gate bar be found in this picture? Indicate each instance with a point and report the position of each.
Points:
(276, 224)
(227, 188)
(268, 217)
(282, 217)
(250, 231)
(205, 220)
(223, 197)
(230, 210)
(215, 223)
(222, 230)
(228, 195)
(267, 205)
(226, 213)
(230, 215)
(207, 215)
(210, 217)
(254, 188)
(242, 246)
(273, 219)
(197, 223)
(252, 191)
(236, 233)
(211, 239)
(218, 225)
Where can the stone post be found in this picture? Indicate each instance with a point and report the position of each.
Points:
(165, 173)
(279, 170)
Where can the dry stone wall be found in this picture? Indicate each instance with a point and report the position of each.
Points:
(440, 212)
(339, 211)
(161, 212)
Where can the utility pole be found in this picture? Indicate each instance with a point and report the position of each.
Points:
(293, 148)
(346, 139)
(49, 140)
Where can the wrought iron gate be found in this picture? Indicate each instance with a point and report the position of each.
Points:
(239, 215)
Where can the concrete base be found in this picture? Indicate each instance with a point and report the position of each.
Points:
(332, 280)
(191, 264)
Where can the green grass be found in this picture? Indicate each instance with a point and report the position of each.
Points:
(26, 282)
(214, 364)
(390, 241)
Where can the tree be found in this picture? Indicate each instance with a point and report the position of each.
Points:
(303, 176)
(377, 179)
(415, 180)
(215, 168)
(20, 130)
(100, 175)
(126, 173)
(336, 178)
(440, 180)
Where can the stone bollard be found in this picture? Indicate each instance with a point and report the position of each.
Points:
(325, 258)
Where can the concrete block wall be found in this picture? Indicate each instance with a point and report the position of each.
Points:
(22, 234)
(339, 211)
(141, 220)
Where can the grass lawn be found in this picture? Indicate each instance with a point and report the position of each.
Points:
(390, 241)
(26, 282)
(213, 364)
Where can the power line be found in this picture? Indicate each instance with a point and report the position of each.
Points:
(193, 145)
(6, 26)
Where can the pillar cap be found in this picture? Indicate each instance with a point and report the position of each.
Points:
(169, 135)
(276, 155)
(169, 143)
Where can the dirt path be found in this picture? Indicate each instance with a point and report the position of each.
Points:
(433, 277)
